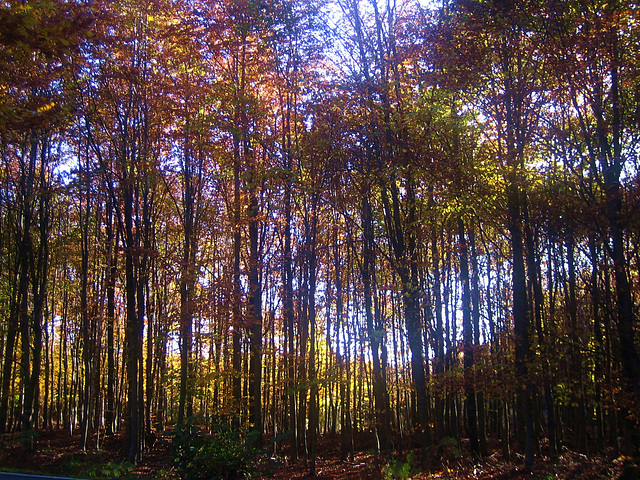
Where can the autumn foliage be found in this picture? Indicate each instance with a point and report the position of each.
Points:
(410, 225)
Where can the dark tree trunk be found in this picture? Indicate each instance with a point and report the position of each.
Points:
(33, 270)
(533, 268)
(112, 241)
(288, 319)
(237, 289)
(521, 321)
(314, 412)
(87, 343)
(439, 358)
(403, 243)
(187, 278)
(375, 333)
(468, 334)
(345, 415)
(131, 329)
(9, 354)
(599, 341)
(611, 172)
(475, 298)
(254, 313)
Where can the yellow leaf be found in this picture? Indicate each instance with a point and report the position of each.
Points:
(47, 107)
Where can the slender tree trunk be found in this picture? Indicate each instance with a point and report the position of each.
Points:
(187, 281)
(533, 267)
(48, 378)
(87, 346)
(521, 320)
(254, 313)
(403, 244)
(313, 380)
(237, 289)
(132, 433)
(625, 315)
(599, 341)
(34, 269)
(25, 259)
(439, 358)
(9, 354)
(112, 241)
(288, 315)
(151, 360)
(303, 329)
(475, 299)
(345, 424)
(375, 333)
(576, 360)
(467, 332)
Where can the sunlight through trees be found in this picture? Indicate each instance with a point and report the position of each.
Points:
(417, 220)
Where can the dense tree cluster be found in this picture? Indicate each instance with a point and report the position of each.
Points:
(306, 217)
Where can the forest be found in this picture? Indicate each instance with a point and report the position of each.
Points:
(411, 222)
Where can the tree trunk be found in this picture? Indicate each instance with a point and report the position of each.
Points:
(311, 309)
(521, 321)
(237, 290)
(288, 318)
(254, 313)
(611, 172)
(439, 358)
(34, 268)
(468, 334)
(475, 299)
(87, 344)
(9, 354)
(345, 419)
(133, 428)
(375, 333)
(403, 243)
(187, 282)
(112, 241)
(533, 267)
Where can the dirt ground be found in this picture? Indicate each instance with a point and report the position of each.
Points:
(58, 453)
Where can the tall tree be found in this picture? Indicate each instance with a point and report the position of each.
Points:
(468, 335)
(119, 128)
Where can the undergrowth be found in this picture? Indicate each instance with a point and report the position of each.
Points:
(222, 453)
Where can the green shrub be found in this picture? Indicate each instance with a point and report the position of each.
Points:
(110, 469)
(225, 454)
(95, 465)
(398, 469)
(28, 439)
(449, 449)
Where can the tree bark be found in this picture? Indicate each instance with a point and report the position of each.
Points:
(254, 312)
(403, 243)
(112, 242)
(468, 334)
(375, 333)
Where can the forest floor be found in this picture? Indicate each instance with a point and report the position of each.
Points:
(58, 453)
